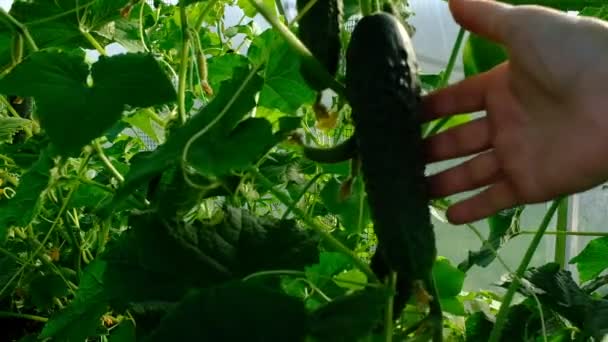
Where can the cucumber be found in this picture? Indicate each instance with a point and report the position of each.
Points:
(319, 29)
(383, 90)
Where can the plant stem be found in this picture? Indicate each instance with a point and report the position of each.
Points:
(183, 67)
(280, 7)
(19, 27)
(388, 315)
(94, 42)
(566, 233)
(445, 78)
(299, 48)
(199, 21)
(24, 316)
(141, 25)
(9, 107)
(560, 239)
(501, 317)
(366, 7)
(106, 161)
(317, 226)
(310, 183)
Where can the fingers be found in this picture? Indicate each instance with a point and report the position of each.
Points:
(465, 96)
(495, 198)
(489, 19)
(467, 139)
(472, 174)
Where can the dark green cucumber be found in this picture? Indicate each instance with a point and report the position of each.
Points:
(319, 29)
(384, 92)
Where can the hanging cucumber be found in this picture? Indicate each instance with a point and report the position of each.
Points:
(319, 29)
(384, 92)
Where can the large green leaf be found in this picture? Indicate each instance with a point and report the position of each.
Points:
(592, 260)
(82, 317)
(26, 204)
(200, 255)
(219, 154)
(600, 12)
(235, 311)
(350, 317)
(148, 165)
(556, 290)
(72, 113)
(449, 281)
(480, 55)
(56, 23)
(284, 87)
(352, 209)
(46, 287)
(502, 226)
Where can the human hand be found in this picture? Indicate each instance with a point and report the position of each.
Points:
(545, 132)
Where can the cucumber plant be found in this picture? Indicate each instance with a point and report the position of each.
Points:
(182, 188)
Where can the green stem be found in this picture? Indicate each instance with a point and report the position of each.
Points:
(299, 48)
(388, 314)
(501, 317)
(94, 42)
(58, 15)
(280, 7)
(317, 226)
(201, 17)
(445, 78)
(366, 7)
(560, 239)
(565, 233)
(9, 107)
(10, 255)
(24, 316)
(141, 25)
(310, 183)
(106, 161)
(183, 67)
(19, 27)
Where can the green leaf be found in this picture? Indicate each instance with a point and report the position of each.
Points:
(56, 23)
(222, 68)
(502, 226)
(58, 80)
(480, 55)
(284, 87)
(148, 165)
(141, 119)
(352, 279)
(592, 260)
(27, 202)
(124, 332)
(556, 290)
(125, 32)
(478, 328)
(351, 317)
(235, 311)
(330, 263)
(201, 254)
(219, 154)
(44, 288)
(8, 268)
(82, 317)
(251, 11)
(449, 281)
(353, 210)
(600, 12)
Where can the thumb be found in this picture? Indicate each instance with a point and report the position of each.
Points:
(486, 18)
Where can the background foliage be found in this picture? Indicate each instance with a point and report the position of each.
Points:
(223, 231)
